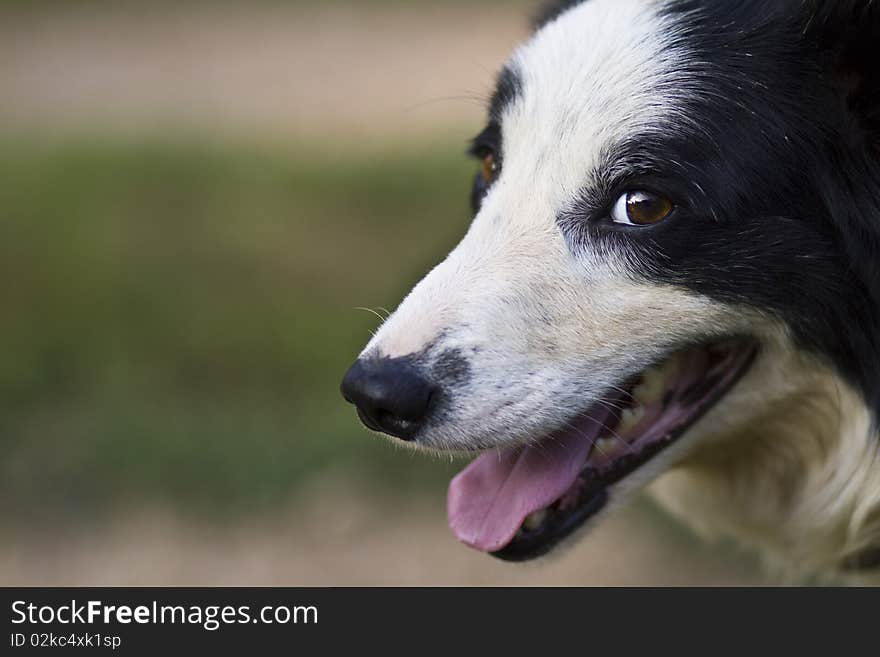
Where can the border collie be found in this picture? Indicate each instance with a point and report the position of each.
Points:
(672, 278)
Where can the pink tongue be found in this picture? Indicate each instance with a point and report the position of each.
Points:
(489, 500)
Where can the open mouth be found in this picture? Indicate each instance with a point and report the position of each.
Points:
(519, 503)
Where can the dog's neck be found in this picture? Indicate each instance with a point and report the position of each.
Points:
(802, 484)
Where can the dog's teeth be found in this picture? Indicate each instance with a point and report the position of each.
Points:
(606, 446)
(534, 520)
(630, 418)
(651, 388)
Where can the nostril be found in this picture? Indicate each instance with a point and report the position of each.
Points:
(391, 395)
(395, 425)
(384, 418)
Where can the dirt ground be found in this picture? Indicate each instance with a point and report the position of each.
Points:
(336, 72)
(343, 537)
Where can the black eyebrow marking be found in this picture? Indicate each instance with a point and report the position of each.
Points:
(508, 87)
(488, 141)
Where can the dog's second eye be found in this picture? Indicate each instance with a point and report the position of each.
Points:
(641, 208)
(489, 168)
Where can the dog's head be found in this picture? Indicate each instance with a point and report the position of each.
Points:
(677, 210)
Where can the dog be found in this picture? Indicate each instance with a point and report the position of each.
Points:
(672, 281)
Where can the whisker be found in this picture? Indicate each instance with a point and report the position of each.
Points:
(470, 99)
(626, 393)
(610, 405)
(606, 428)
(373, 312)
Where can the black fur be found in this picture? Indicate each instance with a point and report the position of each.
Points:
(508, 87)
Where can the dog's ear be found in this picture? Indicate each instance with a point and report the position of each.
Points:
(847, 32)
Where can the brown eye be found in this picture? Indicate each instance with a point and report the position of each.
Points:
(641, 208)
(489, 168)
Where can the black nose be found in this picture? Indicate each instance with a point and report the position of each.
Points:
(390, 395)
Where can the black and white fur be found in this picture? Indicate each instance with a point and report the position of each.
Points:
(762, 119)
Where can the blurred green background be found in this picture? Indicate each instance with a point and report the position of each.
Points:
(180, 314)
(203, 207)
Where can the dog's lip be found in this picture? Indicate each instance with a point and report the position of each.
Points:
(590, 487)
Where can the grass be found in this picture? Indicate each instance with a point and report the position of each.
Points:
(177, 316)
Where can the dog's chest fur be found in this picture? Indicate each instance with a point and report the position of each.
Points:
(801, 482)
